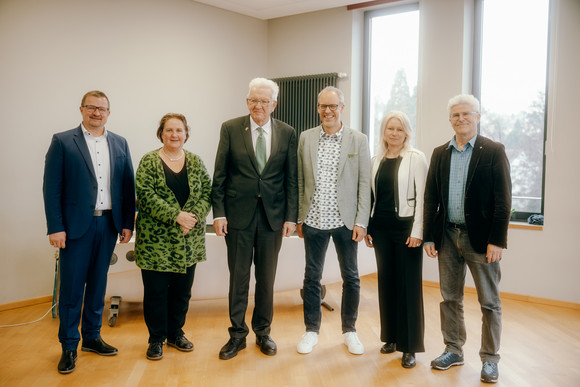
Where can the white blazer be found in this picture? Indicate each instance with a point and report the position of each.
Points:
(411, 178)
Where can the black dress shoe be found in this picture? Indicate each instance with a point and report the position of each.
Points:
(389, 348)
(232, 347)
(181, 343)
(408, 360)
(155, 351)
(98, 346)
(267, 345)
(66, 365)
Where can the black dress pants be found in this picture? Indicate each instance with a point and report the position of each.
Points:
(400, 277)
(259, 244)
(165, 302)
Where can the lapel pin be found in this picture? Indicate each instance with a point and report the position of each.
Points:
(246, 128)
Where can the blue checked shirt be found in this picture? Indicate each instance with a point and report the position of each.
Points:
(458, 179)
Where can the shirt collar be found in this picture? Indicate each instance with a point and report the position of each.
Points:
(453, 143)
(337, 135)
(267, 127)
(87, 133)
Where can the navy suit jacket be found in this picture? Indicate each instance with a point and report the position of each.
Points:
(237, 184)
(488, 196)
(70, 184)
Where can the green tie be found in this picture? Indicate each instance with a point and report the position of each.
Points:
(261, 150)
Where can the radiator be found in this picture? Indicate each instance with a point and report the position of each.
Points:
(298, 98)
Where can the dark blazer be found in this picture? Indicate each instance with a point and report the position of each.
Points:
(70, 184)
(487, 195)
(237, 184)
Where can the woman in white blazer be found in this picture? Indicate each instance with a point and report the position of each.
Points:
(395, 230)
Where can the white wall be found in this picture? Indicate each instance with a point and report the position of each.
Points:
(150, 57)
(538, 263)
(153, 56)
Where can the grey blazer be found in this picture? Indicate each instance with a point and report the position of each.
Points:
(354, 179)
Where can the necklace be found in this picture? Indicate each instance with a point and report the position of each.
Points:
(170, 159)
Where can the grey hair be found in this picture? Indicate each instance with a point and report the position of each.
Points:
(336, 90)
(405, 122)
(263, 83)
(463, 98)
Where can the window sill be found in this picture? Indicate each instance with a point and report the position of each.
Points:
(525, 226)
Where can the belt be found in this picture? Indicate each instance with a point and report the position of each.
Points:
(102, 212)
(457, 225)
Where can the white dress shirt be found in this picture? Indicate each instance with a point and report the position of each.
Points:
(267, 130)
(99, 150)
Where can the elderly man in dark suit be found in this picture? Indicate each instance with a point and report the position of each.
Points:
(466, 217)
(255, 203)
(89, 199)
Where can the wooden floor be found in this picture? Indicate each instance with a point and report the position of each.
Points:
(540, 347)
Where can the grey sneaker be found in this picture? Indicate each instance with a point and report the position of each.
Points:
(446, 360)
(489, 372)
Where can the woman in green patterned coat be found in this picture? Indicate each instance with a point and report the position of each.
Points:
(173, 192)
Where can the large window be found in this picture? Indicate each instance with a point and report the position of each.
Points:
(391, 66)
(510, 80)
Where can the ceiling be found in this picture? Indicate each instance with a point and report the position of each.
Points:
(270, 9)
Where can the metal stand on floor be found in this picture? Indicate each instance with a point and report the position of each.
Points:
(55, 290)
(322, 295)
(114, 310)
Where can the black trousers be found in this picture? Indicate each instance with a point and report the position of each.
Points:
(399, 272)
(165, 302)
(259, 244)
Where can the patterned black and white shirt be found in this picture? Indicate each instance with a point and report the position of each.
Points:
(324, 213)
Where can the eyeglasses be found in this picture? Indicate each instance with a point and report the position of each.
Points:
(92, 109)
(331, 107)
(264, 102)
(457, 116)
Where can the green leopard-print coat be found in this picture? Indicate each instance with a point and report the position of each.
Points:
(160, 244)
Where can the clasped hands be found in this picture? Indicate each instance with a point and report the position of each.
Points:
(187, 221)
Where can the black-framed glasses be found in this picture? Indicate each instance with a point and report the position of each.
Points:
(92, 109)
(331, 107)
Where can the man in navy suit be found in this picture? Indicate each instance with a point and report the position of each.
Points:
(255, 204)
(466, 216)
(89, 199)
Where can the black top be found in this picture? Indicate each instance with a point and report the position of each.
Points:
(385, 188)
(177, 182)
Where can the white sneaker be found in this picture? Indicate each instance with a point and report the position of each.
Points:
(309, 340)
(353, 343)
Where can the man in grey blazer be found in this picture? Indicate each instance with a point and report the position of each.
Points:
(255, 204)
(334, 201)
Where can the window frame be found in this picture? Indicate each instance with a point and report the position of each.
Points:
(366, 97)
(518, 216)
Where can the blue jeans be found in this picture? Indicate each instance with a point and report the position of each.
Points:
(455, 255)
(316, 244)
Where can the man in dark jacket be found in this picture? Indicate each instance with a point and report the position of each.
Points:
(466, 217)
